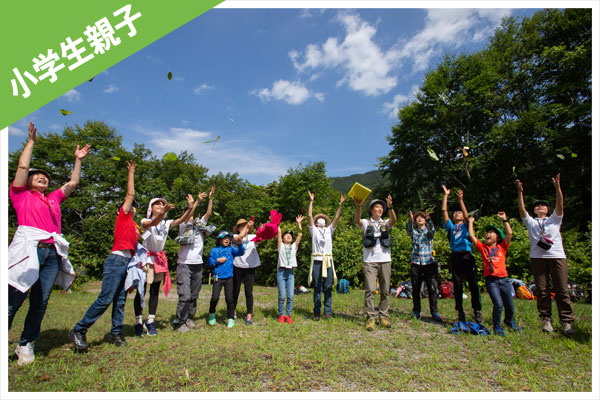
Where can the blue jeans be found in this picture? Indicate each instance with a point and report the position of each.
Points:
(500, 293)
(285, 284)
(113, 291)
(39, 294)
(322, 285)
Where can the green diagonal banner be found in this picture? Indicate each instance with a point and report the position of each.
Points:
(50, 47)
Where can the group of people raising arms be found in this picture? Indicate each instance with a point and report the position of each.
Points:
(38, 258)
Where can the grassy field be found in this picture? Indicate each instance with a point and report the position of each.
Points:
(333, 355)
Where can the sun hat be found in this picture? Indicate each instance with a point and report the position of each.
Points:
(377, 201)
(419, 213)
(325, 217)
(498, 231)
(239, 222)
(538, 202)
(154, 200)
(38, 171)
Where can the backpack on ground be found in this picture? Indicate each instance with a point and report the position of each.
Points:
(447, 290)
(343, 286)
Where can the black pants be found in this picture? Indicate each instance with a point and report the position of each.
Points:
(245, 275)
(418, 274)
(464, 269)
(216, 292)
(152, 301)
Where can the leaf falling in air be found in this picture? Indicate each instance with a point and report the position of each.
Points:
(560, 156)
(216, 213)
(573, 155)
(231, 119)
(432, 154)
(170, 75)
(65, 112)
(473, 212)
(514, 170)
(116, 158)
(178, 181)
(170, 157)
(465, 151)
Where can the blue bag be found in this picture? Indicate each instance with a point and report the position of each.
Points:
(343, 286)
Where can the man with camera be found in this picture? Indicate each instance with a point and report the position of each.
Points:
(377, 257)
(548, 259)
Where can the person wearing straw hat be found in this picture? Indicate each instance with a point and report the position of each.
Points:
(38, 253)
(548, 259)
(244, 266)
(377, 257)
(322, 270)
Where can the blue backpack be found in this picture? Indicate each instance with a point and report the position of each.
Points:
(343, 286)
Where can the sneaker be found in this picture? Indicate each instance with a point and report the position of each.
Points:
(327, 316)
(499, 331)
(79, 340)
(437, 318)
(385, 322)
(280, 319)
(183, 328)
(190, 324)
(139, 330)
(478, 317)
(317, 316)
(512, 326)
(567, 328)
(25, 354)
(150, 329)
(230, 323)
(118, 340)
(547, 325)
(416, 314)
(248, 320)
(288, 319)
(462, 317)
(212, 319)
(370, 324)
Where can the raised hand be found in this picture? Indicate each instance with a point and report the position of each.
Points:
(299, 218)
(412, 217)
(426, 214)
(388, 201)
(342, 199)
(471, 219)
(190, 200)
(168, 207)
(446, 191)
(131, 166)
(520, 185)
(357, 202)
(80, 153)
(556, 181)
(311, 196)
(212, 192)
(502, 215)
(201, 196)
(32, 132)
(459, 193)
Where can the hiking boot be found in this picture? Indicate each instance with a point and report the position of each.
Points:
(512, 326)
(567, 328)
(462, 317)
(288, 319)
(327, 316)
(25, 354)
(183, 328)
(190, 324)
(118, 340)
(371, 324)
(385, 322)
(499, 331)
(280, 319)
(417, 315)
(317, 316)
(230, 323)
(139, 330)
(547, 325)
(437, 318)
(477, 315)
(150, 329)
(79, 340)
(212, 319)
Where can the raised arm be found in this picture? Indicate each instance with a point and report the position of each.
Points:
(472, 237)
(410, 224)
(430, 226)
(520, 202)
(559, 207)
(338, 212)
(210, 204)
(445, 204)
(390, 207)
(23, 170)
(130, 187)
(310, 204)
(358, 205)
(299, 219)
(463, 207)
(244, 231)
(507, 228)
(279, 241)
(68, 187)
(187, 213)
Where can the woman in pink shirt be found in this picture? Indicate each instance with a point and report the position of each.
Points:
(39, 210)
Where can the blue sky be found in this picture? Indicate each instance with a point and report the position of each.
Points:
(278, 86)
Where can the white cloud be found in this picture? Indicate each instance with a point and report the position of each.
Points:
(391, 108)
(178, 79)
(294, 93)
(450, 28)
(310, 12)
(14, 131)
(365, 65)
(110, 89)
(204, 87)
(72, 96)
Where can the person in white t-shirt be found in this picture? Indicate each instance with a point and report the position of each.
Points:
(322, 270)
(548, 259)
(244, 266)
(156, 232)
(285, 269)
(192, 234)
(377, 257)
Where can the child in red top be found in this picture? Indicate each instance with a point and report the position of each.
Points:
(493, 253)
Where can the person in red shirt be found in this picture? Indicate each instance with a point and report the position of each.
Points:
(114, 273)
(36, 209)
(493, 253)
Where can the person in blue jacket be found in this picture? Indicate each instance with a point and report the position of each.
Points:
(221, 259)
